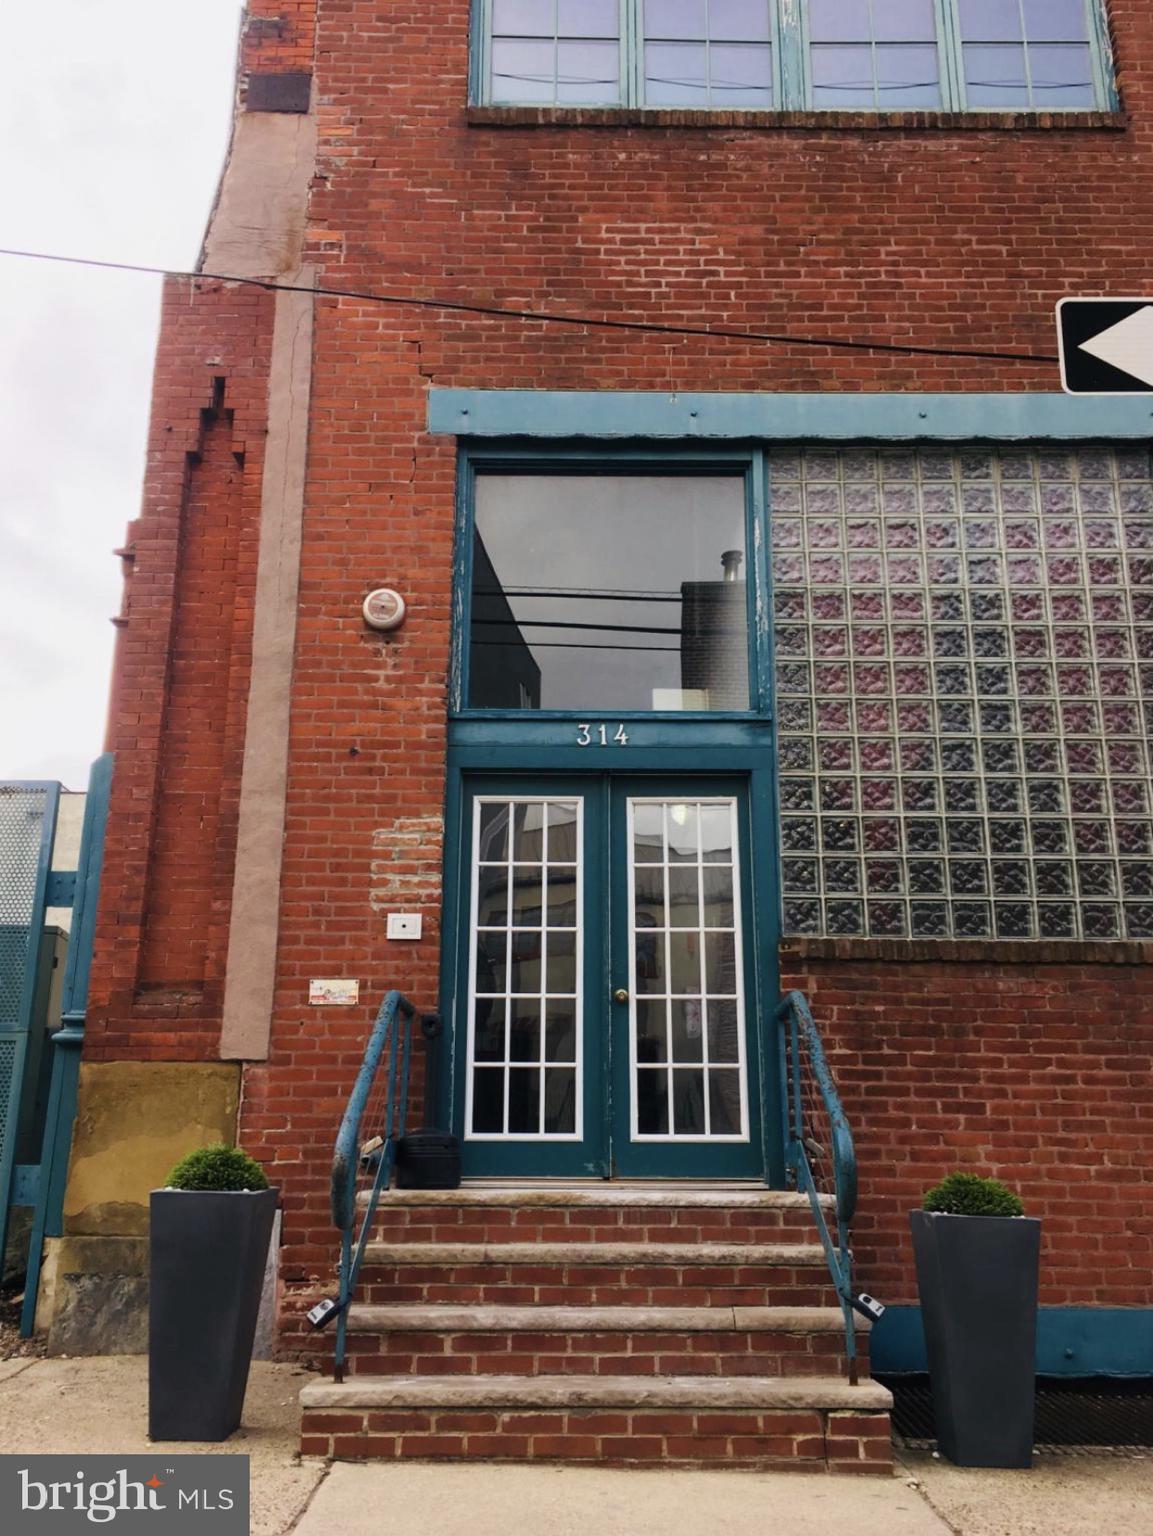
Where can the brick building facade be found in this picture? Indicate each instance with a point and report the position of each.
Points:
(977, 959)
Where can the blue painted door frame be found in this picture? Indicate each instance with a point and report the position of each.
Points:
(540, 751)
(606, 1148)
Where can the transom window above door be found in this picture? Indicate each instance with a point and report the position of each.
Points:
(608, 592)
(867, 55)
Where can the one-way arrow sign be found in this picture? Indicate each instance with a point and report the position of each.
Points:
(1106, 346)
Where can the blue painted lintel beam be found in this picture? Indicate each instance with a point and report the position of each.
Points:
(830, 417)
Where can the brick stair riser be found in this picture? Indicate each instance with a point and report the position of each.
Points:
(804, 1440)
(642, 1353)
(399, 1224)
(660, 1285)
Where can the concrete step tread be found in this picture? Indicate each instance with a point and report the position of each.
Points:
(445, 1394)
(797, 1255)
(441, 1318)
(603, 1195)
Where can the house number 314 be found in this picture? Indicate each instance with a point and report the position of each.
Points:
(588, 734)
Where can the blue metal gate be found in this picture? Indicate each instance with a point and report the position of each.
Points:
(27, 829)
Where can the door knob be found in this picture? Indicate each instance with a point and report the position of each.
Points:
(621, 995)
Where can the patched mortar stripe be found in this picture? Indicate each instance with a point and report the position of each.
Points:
(407, 865)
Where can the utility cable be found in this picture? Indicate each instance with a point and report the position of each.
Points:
(548, 317)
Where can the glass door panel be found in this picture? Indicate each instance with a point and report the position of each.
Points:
(524, 1027)
(688, 1066)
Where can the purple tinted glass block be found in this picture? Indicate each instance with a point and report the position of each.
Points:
(1080, 719)
(876, 755)
(874, 716)
(1038, 719)
(1124, 756)
(869, 641)
(863, 533)
(832, 715)
(830, 641)
(865, 570)
(838, 795)
(1120, 719)
(1071, 644)
(878, 794)
(836, 755)
(1026, 607)
(831, 678)
(918, 756)
(1020, 534)
(828, 605)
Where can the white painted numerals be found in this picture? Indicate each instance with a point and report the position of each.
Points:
(598, 735)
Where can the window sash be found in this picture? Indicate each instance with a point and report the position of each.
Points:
(793, 86)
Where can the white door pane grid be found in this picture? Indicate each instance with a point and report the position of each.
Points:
(964, 674)
(686, 972)
(524, 1031)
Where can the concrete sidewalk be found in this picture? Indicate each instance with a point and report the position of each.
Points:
(453, 1500)
(101, 1405)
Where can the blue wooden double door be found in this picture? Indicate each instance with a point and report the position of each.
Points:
(607, 998)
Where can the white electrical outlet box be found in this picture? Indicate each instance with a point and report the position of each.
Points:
(404, 925)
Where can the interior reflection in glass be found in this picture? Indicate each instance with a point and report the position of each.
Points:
(609, 593)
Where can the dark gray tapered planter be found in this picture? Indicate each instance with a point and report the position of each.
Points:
(208, 1252)
(977, 1277)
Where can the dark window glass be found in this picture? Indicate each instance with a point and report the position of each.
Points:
(609, 593)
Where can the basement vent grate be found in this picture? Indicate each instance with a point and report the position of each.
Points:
(1072, 1416)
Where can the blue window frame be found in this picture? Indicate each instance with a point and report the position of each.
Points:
(822, 55)
(545, 622)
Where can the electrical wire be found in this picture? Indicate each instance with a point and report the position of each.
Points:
(546, 317)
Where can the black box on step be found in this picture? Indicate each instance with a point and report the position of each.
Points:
(428, 1160)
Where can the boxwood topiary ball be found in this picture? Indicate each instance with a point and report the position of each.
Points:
(968, 1194)
(218, 1168)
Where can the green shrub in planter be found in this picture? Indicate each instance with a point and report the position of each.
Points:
(968, 1194)
(208, 1243)
(218, 1167)
(977, 1273)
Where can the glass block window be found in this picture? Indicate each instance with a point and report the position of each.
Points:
(863, 55)
(964, 672)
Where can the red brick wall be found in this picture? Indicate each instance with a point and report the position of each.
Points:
(959, 236)
(1041, 1075)
(177, 723)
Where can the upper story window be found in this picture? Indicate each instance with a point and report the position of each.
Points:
(866, 55)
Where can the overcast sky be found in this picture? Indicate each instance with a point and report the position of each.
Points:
(114, 119)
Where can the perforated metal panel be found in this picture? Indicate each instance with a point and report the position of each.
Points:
(7, 1082)
(22, 811)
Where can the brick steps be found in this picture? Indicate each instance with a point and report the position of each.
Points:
(574, 1213)
(539, 1341)
(575, 1255)
(816, 1423)
(630, 1324)
(597, 1319)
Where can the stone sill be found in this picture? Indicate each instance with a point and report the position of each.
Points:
(688, 117)
(973, 951)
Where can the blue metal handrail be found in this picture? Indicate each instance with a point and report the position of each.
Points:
(391, 1039)
(803, 1048)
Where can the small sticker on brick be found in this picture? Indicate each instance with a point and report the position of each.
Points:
(333, 992)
